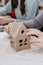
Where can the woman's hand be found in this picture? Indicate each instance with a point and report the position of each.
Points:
(8, 27)
(34, 32)
(36, 41)
(4, 21)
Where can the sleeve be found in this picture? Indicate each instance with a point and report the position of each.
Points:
(5, 9)
(37, 22)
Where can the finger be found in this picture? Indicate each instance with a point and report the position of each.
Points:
(36, 40)
(38, 45)
(32, 29)
(34, 32)
(31, 33)
(4, 22)
(7, 29)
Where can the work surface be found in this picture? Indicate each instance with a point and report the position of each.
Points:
(8, 56)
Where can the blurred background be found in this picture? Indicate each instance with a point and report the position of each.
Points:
(3, 2)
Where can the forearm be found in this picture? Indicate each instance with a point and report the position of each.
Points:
(37, 22)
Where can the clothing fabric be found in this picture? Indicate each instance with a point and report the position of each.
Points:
(36, 22)
(12, 14)
(31, 8)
